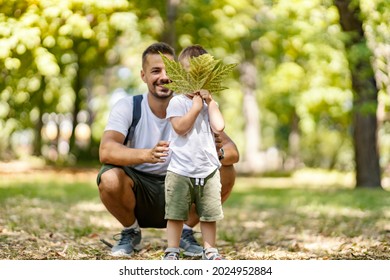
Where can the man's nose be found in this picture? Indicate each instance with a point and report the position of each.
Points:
(164, 76)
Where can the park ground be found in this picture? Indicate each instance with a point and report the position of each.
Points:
(49, 213)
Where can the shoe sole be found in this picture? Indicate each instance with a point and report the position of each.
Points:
(189, 254)
(137, 248)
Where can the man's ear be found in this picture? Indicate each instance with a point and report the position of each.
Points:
(142, 75)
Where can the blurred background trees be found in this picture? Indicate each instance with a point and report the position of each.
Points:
(311, 88)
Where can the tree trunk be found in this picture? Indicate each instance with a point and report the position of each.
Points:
(294, 143)
(169, 34)
(253, 160)
(77, 86)
(365, 97)
(37, 142)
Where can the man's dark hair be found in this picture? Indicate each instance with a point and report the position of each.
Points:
(192, 51)
(156, 48)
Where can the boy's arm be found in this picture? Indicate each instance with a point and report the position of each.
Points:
(217, 122)
(183, 124)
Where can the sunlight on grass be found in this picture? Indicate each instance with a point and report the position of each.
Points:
(60, 216)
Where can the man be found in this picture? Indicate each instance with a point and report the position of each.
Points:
(131, 180)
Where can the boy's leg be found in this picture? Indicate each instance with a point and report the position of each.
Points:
(174, 229)
(228, 177)
(209, 230)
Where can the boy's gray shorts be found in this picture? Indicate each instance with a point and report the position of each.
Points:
(182, 191)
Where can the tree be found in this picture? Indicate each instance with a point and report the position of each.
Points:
(365, 96)
(50, 52)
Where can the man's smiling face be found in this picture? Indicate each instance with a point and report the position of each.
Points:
(154, 75)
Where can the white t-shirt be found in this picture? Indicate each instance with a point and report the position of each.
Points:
(149, 130)
(193, 154)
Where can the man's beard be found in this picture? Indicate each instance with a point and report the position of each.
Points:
(167, 93)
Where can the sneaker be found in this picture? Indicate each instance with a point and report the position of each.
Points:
(189, 244)
(211, 254)
(130, 241)
(171, 254)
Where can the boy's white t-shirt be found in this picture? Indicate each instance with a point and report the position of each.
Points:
(193, 154)
(149, 130)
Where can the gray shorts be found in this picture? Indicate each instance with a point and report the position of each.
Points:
(149, 194)
(182, 191)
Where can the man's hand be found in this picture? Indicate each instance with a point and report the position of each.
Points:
(218, 142)
(159, 152)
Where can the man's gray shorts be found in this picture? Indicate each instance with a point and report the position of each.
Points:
(149, 194)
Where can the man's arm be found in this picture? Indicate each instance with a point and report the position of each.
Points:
(112, 151)
(231, 154)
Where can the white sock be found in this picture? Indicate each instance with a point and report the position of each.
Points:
(186, 227)
(134, 225)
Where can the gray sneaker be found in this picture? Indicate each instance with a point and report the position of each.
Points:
(189, 244)
(130, 241)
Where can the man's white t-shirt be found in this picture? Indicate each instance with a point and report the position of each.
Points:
(193, 154)
(149, 130)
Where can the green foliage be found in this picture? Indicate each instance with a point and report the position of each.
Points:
(295, 46)
(50, 54)
(205, 72)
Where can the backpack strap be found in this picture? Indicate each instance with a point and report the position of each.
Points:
(137, 99)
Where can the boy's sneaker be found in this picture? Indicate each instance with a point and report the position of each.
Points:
(211, 254)
(171, 254)
(130, 241)
(189, 244)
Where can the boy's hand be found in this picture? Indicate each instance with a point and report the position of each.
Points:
(206, 96)
(197, 102)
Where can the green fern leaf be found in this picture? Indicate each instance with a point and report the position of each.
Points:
(217, 76)
(178, 75)
(200, 69)
(205, 73)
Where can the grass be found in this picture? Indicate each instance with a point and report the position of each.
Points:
(51, 214)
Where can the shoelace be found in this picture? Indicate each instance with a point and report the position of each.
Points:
(125, 236)
(188, 235)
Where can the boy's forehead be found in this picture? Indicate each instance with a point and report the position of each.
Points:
(185, 62)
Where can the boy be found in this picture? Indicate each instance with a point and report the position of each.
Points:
(193, 172)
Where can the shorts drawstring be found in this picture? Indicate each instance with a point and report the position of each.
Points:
(199, 182)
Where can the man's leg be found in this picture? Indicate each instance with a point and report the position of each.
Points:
(228, 178)
(116, 193)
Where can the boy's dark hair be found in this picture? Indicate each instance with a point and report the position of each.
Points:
(192, 51)
(156, 48)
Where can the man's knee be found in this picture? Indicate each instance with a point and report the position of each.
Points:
(112, 180)
(228, 178)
